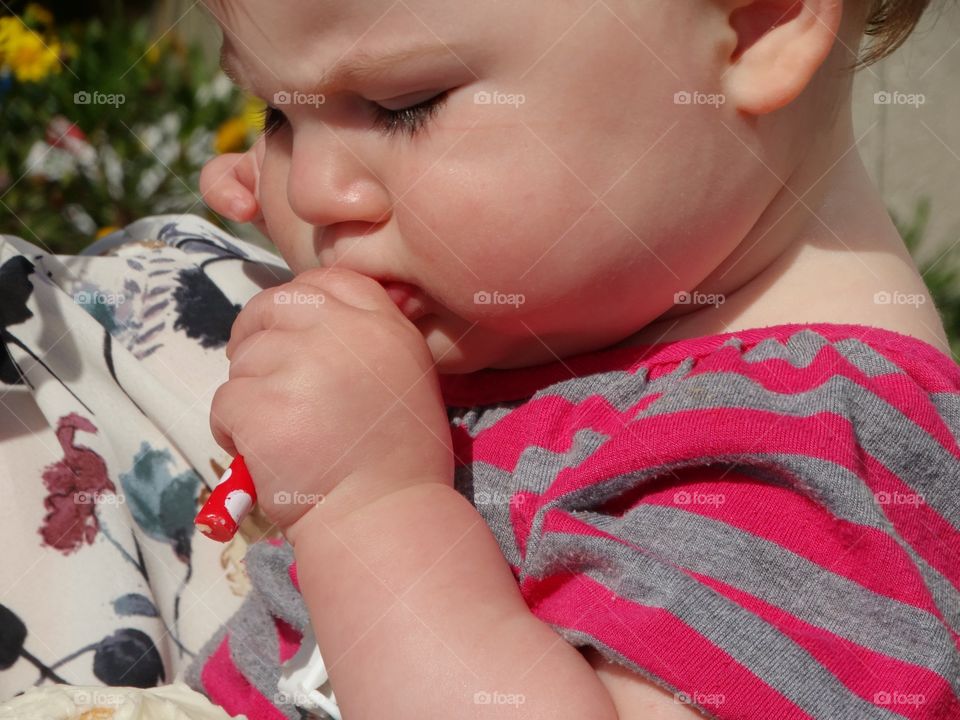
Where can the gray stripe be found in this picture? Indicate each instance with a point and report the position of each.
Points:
(867, 360)
(948, 405)
(254, 650)
(492, 501)
(490, 489)
(839, 490)
(917, 457)
(620, 388)
(537, 467)
(883, 431)
(476, 420)
(800, 349)
(254, 647)
(802, 588)
(767, 652)
(269, 569)
(845, 495)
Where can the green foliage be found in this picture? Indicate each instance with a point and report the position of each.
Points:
(140, 116)
(940, 272)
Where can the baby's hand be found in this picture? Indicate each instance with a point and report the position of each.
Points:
(332, 392)
(230, 185)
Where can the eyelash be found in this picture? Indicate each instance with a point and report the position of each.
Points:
(408, 120)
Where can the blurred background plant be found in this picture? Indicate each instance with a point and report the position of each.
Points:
(940, 271)
(104, 123)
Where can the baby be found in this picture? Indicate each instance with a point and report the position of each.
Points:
(606, 387)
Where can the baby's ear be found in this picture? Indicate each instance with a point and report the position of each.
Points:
(780, 46)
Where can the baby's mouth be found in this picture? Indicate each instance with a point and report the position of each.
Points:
(408, 298)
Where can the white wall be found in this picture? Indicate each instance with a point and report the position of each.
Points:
(914, 150)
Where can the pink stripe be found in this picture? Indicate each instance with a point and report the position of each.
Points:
(858, 553)
(522, 512)
(288, 639)
(877, 678)
(227, 687)
(896, 389)
(659, 643)
(911, 399)
(735, 433)
(502, 444)
(292, 570)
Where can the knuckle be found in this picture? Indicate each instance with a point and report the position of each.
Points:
(216, 403)
(351, 284)
(234, 370)
(220, 421)
(332, 273)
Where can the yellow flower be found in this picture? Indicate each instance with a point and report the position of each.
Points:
(235, 133)
(231, 136)
(10, 28)
(25, 52)
(253, 113)
(106, 231)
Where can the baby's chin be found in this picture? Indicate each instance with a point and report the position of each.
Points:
(461, 347)
(455, 350)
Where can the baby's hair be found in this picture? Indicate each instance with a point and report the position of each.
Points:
(889, 23)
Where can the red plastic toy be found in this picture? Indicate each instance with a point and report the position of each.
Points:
(228, 504)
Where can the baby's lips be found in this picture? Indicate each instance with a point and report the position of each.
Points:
(228, 504)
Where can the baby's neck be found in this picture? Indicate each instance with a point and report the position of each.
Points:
(820, 252)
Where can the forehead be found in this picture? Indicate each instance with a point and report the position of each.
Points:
(269, 39)
(293, 27)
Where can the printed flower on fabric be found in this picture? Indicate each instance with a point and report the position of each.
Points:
(128, 658)
(15, 289)
(204, 312)
(105, 307)
(75, 484)
(163, 504)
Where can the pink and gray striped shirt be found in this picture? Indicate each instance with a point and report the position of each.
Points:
(766, 522)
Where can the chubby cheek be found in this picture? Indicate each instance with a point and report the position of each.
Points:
(476, 227)
(520, 249)
(292, 237)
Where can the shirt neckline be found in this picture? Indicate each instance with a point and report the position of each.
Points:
(490, 386)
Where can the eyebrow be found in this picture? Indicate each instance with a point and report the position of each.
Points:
(363, 66)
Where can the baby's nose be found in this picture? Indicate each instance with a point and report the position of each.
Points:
(329, 184)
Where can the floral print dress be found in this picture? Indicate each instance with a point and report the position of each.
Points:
(108, 363)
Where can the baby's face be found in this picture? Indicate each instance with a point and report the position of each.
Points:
(555, 198)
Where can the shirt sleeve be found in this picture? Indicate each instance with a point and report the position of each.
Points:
(761, 549)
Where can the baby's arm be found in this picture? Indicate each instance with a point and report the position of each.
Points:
(418, 615)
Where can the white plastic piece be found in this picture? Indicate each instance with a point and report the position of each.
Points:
(302, 675)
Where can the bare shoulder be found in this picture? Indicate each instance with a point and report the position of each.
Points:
(635, 697)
